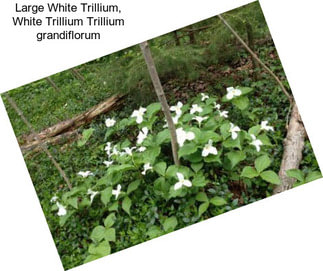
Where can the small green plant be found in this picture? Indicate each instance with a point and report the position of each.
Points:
(302, 177)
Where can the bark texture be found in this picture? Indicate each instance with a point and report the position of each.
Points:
(293, 148)
(161, 96)
(59, 139)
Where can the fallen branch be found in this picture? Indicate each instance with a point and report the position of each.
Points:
(74, 123)
(34, 146)
(52, 83)
(77, 75)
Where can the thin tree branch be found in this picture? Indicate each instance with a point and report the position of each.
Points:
(52, 83)
(290, 98)
(77, 74)
(42, 145)
(161, 96)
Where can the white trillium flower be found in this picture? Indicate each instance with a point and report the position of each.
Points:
(182, 136)
(110, 122)
(199, 119)
(266, 127)
(209, 149)
(204, 97)
(147, 166)
(216, 106)
(181, 181)
(92, 194)
(85, 174)
(114, 151)
(175, 120)
(177, 108)
(108, 163)
(234, 130)
(54, 199)
(129, 150)
(116, 192)
(61, 209)
(138, 114)
(142, 149)
(223, 114)
(142, 135)
(196, 108)
(233, 92)
(256, 142)
(108, 148)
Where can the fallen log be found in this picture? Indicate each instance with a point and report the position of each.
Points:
(293, 149)
(66, 127)
(59, 139)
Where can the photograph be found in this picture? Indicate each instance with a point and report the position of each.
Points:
(161, 135)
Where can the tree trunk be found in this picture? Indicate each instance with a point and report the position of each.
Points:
(52, 83)
(293, 148)
(177, 41)
(191, 35)
(161, 96)
(77, 75)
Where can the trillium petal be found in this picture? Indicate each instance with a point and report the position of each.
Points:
(205, 152)
(180, 176)
(229, 95)
(178, 185)
(187, 183)
(190, 135)
(213, 151)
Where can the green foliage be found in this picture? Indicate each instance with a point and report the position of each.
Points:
(302, 177)
(86, 134)
(137, 176)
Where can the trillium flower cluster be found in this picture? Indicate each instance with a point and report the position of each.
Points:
(147, 166)
(116, 192)
(233, 92)
(142, 135)
(199, 119)
(110, 122)
(196, 109)
(209, 149)
(234, 130)
(92, 194)
(182, 136)
(182, 181)
(256, 142)
(200, 125)
(177, 108)
(138, 114)
(266, 127)
(61, 209)
(85, 174)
